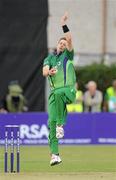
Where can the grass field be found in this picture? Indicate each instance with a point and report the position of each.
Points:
(79, 163)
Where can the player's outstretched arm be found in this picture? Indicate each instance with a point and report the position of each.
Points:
(66, 31)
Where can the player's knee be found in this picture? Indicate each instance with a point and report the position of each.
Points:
(58, 94)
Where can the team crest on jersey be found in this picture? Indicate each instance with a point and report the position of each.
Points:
(59, 63)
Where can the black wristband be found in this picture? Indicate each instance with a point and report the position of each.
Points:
(65, 28)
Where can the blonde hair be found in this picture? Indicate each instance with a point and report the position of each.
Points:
(62, 38)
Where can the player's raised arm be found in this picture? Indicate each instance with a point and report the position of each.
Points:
(66, 31)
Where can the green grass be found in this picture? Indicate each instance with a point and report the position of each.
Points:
(76, 160)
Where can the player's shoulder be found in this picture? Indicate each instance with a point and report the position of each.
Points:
(69, 54)
(66, 51)
(49, 57)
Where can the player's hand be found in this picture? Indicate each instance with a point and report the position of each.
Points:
(52, 71)
(64, 18)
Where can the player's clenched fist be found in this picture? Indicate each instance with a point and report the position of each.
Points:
(52, 71)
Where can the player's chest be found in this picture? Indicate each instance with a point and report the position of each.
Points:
(57, 62)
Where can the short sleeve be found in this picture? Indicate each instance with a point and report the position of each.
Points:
(70, 54)
(47, 60)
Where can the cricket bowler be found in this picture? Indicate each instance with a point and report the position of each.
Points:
(58, 67)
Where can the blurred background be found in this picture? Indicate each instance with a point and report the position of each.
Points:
(30, 30)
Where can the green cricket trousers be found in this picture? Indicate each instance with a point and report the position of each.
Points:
(57, 112)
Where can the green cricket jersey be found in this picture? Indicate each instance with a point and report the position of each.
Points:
(65, 75)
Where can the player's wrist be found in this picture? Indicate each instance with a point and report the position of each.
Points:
(65, 28)
(49, 73)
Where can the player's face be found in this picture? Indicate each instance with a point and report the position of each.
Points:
(61, 45)
(92, 89)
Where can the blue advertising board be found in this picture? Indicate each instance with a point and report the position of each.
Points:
(81, 128)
